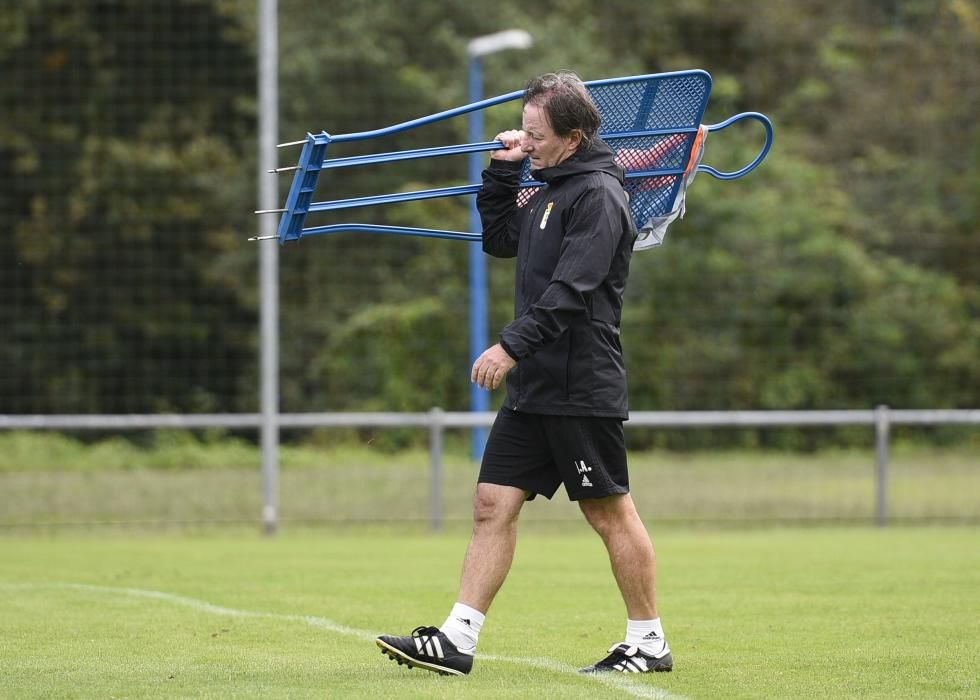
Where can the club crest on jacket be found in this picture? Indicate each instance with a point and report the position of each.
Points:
(547, 213)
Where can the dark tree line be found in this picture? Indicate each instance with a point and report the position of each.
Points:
(841, 274)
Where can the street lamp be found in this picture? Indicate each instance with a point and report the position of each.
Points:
(476, 49)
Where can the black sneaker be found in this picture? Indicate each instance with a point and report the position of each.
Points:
(624, 658)
(427, 648)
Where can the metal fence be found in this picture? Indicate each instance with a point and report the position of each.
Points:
(436, 421)
(128, 286)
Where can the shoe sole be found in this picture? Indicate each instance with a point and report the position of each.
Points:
(665, 665)
(403, 658)
(594, 672)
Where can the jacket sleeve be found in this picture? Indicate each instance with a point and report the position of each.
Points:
(497, 204)
(593, 231)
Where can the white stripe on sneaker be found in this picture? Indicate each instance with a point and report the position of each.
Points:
(438, 646)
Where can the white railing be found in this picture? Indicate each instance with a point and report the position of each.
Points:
(436, 421)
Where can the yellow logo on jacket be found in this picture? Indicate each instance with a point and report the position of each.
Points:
(547, 213)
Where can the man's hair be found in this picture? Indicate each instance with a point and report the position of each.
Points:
(566, 104)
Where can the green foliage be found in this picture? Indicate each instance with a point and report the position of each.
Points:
(162, 450)
(95, 185)
(798, 314)
(843, 273)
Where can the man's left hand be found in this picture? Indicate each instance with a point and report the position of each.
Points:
(491, 367)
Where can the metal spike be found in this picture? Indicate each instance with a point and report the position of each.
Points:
(291, 143)
(271, 211)
(262, 238)
(284, 169)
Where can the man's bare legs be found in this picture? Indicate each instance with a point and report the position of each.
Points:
(630, 550)
(491, 550)
(449, 649)
(487, 562)
(634, 566)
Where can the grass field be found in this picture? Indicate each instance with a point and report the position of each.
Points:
(50, 480)
(783, 613)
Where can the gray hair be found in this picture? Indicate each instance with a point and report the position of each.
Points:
(566, 103)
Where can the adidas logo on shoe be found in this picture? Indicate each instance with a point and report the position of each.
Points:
(427, 648)
(624, 658)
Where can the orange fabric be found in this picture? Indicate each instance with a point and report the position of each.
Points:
(692, 162)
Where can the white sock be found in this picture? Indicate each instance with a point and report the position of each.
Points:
(463, 627)
(648, 635)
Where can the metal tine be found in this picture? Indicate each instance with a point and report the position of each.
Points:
(283, 169)
(262, 238)
(271, 211)
(291, 143)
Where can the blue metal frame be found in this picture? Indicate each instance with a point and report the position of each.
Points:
(313, 158)
(758, 159)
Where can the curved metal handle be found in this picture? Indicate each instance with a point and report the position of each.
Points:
(758, 159)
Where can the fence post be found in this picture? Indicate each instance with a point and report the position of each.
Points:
(435, 458)
(882, 429)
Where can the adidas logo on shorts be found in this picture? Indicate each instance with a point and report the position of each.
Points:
(581, 467)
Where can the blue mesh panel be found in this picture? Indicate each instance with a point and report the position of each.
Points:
(670, 102)
(662, 152)
(651, 197)
(679, 103)
(620, 104)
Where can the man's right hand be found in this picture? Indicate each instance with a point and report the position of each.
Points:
(513, 141)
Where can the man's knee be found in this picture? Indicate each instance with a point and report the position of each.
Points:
(495, 505)
(609, 513)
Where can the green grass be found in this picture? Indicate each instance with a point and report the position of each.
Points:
(835, 613)
(49, 479)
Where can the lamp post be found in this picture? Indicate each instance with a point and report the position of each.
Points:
(476, 49)
(268, 89)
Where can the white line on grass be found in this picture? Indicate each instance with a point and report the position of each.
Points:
(619, 682)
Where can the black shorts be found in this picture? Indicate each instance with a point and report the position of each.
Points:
(537, 453)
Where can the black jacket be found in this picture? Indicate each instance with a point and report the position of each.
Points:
(573, 242)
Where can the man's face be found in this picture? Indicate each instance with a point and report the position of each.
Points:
(541, 144)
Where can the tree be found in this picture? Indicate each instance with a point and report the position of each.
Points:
(120, 136)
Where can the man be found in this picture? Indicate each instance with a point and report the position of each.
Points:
(562, 421)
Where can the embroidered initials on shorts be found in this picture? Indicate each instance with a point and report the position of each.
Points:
(582, 468)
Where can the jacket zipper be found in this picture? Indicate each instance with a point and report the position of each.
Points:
(527, 255)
